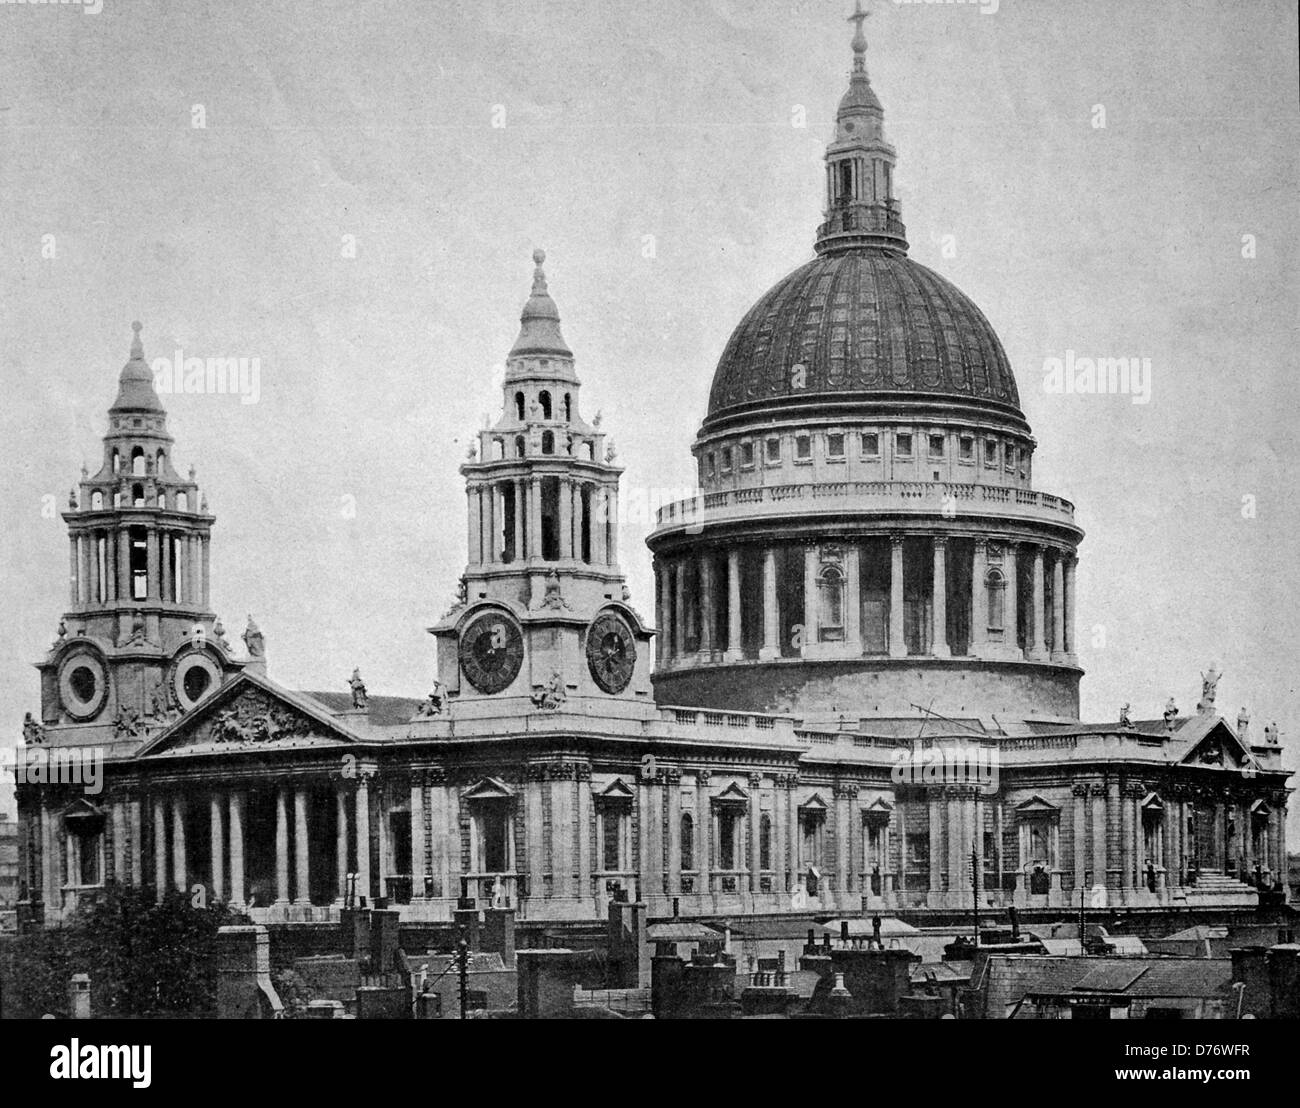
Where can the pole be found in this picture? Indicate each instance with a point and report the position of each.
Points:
(975, 885)
(463, 958)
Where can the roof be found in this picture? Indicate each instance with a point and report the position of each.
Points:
(382, 711)
(863, 323)
(1011, 977)
(681, 931)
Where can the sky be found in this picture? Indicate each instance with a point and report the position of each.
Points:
(350, 192)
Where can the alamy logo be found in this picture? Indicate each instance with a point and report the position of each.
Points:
(66, 765)
(1129, 377)
(947, 763)
(102, 1062)
(178, 374)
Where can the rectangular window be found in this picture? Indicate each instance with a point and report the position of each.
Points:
(746, 455)
(990, 453)
(611, 829)
(773, 450)
(726, 841)
(870, 444)
(802, 448)
(708, 465)
(936, 446)
(1011, 456)
(835, 445)
(966, 449)
(726, 459)
(903, 444)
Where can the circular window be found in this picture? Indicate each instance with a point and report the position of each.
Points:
(193, 676)
(197, 681)
(83, 685)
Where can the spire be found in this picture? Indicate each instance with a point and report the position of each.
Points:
(539, 330)
(860, 206)
(135, 391)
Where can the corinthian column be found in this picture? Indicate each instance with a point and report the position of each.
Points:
(281, 847)
(301, 845)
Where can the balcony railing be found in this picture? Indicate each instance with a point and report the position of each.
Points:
(864, 217)
(847, 496)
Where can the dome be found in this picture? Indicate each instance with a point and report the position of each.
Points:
(866, 325)
(135, 390)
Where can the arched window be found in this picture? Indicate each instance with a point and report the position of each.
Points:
(117, 500)
(96, 501)
(162, 457)
(568, 408)
(589, 451)
(830, 590)
(548, 443)
(137, 462)
(519, 406)
(995, 587)
(137, 496)
(117, 462)
(519, 446)
(498, 449)
(765, 842)
(182, 502)
(544, 399)
(162, 500)
(688, 841)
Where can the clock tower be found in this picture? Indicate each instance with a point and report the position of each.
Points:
(542, 611)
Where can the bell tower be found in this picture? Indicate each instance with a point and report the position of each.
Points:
(542, 491)
(138, 643)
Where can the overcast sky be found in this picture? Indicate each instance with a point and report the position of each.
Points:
(675, 120)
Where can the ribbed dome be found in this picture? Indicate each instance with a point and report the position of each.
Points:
(864, 324)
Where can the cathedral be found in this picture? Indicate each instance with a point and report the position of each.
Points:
(867, 597)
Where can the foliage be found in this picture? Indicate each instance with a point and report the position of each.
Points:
(145, 958)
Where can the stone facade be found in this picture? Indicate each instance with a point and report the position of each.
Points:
(862, 691)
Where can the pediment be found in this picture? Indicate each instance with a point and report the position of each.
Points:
(249, 714)
(1219, 748)
(616, 790)
(489, 788)
(1036, 805)
(814, 803)
(81, 808)
(732, 794)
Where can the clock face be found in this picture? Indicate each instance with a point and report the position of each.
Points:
(491, 652)
(611, 652)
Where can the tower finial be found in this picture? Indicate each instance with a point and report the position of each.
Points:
(539, 274)
(137, 348)
(859, 39)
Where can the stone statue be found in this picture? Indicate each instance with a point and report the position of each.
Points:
(138, 634)
(1124, 720)
(253, 640)
(627, 594)
(595, 420)
(433, 706)
(72, 499)
(219, 633)
(33, 732)
(128, 723)
(553, 599)
(1243, 725)
(550, 696)
(63, 630)
(472, 452)
(1271, 734)
(1171, 713)
(358, 687)
(610, 452)
(1209, 688)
